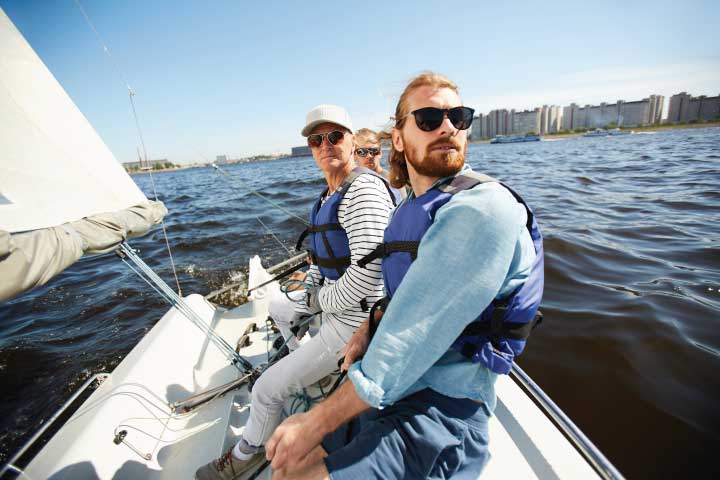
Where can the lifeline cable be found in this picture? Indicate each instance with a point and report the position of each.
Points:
(274, 236)
(259, 195)
(131, 94)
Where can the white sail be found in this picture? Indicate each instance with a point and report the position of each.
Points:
(62, 192)
(54, 167)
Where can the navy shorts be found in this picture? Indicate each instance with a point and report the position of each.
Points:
(425, 435)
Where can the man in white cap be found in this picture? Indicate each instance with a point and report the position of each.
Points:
(347, 222)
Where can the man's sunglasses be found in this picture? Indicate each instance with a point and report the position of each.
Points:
(334, 137)
(364, 152)
(430, 118)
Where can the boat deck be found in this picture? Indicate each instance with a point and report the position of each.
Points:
(174, 360)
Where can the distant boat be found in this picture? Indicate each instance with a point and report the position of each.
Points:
(602, 132)
(528, 137)
(598, 132)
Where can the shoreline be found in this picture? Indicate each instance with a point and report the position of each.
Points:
(648, 128)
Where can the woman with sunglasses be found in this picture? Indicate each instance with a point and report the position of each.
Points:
(368, 154)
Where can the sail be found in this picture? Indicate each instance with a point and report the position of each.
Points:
(54, 167)
(62, 192)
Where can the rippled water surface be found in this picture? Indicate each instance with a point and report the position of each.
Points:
(630, 346)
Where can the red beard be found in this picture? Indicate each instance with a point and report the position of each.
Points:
(438, 164)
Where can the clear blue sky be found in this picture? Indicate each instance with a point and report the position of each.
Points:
(237, 77)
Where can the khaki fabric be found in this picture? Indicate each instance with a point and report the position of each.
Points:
(31, 259)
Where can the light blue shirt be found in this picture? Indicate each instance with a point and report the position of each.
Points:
(476, 250)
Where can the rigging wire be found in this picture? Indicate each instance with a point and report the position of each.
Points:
(131, 94)
(167, 293)
(234, 178)
(274, 236)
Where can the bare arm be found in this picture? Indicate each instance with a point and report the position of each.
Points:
(299, 434)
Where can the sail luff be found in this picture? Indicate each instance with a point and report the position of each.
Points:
(55, 168)
(62, 192)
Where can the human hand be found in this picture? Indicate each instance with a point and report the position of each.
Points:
(357, 346)
(300, 324)
(299, 276)
(292, 441)
(293, 282)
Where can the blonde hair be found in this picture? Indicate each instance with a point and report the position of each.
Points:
(365, 135)
(398, 169)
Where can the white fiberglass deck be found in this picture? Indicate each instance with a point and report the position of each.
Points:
(174, 361)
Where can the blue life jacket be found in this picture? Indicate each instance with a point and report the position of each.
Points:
(329, 244)
(501, 329)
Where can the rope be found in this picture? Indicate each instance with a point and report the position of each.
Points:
(131, 94)
(259, 195)
(288, 285)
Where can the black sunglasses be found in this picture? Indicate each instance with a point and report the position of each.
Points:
(334, 137)
(430, 118)
(363, 152)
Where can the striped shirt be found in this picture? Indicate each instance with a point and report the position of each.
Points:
(363, 213)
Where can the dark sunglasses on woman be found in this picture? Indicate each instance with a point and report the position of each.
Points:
(364, 152)
(430, 118)
(334, 137)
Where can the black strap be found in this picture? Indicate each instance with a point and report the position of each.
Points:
(315, 229)
(301, 239)
(497, 328)
(379, 306)
(386, 248)
(338, 263)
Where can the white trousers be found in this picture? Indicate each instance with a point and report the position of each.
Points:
(307, 363)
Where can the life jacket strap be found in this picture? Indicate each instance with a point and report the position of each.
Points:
(464, 181)
(336, 262)
(386, 248)
(315, 229)
(497, 328)
(379, 306)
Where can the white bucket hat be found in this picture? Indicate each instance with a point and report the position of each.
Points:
(326, 113)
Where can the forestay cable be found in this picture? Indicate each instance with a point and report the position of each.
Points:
(131, 94)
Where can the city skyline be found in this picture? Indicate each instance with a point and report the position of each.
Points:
(222, 78)
(548, 119)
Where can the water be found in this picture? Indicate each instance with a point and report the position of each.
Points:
(630, 346)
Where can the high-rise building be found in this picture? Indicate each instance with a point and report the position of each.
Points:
(526, 121)
(684, 107)
(300, 151)
(552, 118)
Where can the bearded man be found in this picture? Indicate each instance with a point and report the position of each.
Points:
(463, 267)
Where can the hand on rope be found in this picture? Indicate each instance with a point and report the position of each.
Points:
(300, 323)
(292, 289)
(357, 346)
(359, 342)
(298, 277)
